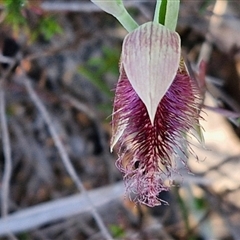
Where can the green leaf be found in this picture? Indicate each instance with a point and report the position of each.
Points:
(200, 203)
(14, 15)
(166, 13)
(96, 68)
(117, 231)
(48, 27)
(95, 80)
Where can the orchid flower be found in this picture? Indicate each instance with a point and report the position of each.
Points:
(156, 103)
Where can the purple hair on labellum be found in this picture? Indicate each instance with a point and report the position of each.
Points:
(145, 150)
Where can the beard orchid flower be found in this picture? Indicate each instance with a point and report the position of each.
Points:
(156, 103)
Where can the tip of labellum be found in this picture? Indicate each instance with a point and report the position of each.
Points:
(150, 58)
(146, 149)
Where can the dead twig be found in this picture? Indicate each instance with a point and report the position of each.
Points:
(36, 216)
(7, 157)
(7, 172)
(63, 154)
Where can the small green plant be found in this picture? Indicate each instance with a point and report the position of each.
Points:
(19, 14)
(117, 231)
(96, 68)
(47, 27)
(13, 9)
(200, 203)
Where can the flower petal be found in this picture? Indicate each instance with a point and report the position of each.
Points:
(150, 57)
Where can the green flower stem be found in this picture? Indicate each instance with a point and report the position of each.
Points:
(117, 9)
(127, 21)
(159, 15)
(166, 13)
(172, 14)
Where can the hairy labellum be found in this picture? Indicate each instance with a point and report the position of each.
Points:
(146, 150)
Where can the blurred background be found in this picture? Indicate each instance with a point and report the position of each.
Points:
(58, 70)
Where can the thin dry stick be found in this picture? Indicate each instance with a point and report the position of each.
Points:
(82, 107)
(6, 141)
(63, 153)
(6, 144)
(53, 211)
(7, 157)
(8, 161)
(4, 59)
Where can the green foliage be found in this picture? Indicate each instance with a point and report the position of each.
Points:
(14, 15)
(23, 236)
(200, 203)
(95, 69)
(47, 27)
(18, 17)
(117, 231)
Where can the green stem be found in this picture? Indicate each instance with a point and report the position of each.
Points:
(160, 11)
(157, 11)
(117, 9)
(166, 13)
(127, 21)
(172, 14)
